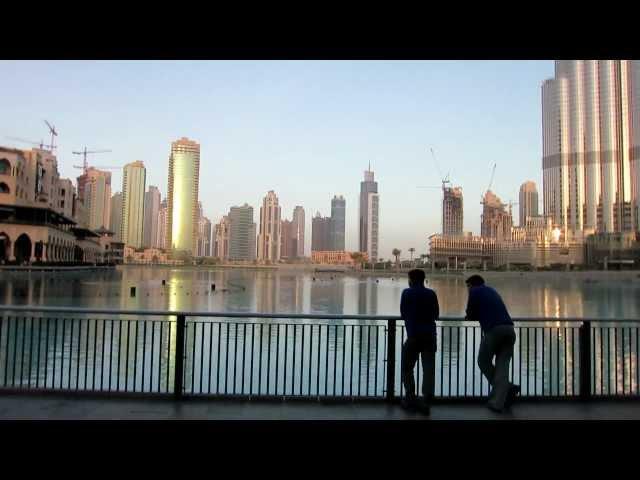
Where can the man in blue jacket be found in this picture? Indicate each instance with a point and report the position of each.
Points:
(419, 310)
(498, 338)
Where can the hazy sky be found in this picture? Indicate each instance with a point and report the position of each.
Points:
(304, 129)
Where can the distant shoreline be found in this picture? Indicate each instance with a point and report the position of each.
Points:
(35, 268)
(317, 269)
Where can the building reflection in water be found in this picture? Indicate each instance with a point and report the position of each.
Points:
(557, 297)
(327, 295)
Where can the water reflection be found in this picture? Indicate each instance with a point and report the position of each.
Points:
(558, 295)
(545, 361)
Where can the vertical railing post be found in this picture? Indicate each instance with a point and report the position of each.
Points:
(179, 360)
(585, 360)
(391, 360)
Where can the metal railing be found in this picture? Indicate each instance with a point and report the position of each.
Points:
(298, 355)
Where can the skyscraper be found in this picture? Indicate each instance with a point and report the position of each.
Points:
(269, 236)
(115, 224)
(204, 237)
(320, 233)
(94, 190)
(204, 234)
(338, 207)
(242, 236)
(298, 228)
(151, 211)
(590, 114)
(161, 236)
(368, 213)
(287, 245)
(182, 200)
(496, 219)
(222, 238)
(452, 211)
(528, 202)
(133, 185)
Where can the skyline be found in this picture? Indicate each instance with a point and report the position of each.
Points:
(306, 129)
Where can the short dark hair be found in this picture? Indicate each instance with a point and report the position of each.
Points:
(475, 281)
(417, 276)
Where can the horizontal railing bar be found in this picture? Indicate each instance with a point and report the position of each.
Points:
(284, 315)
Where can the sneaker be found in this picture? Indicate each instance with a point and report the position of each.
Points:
(514, 391)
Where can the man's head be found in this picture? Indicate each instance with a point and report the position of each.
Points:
(474, 281)
(416, 277)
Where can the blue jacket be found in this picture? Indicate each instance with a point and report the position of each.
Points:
(419, 310)
(486, 306)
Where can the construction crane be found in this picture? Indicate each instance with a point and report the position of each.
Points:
(444, 180)
(39, 144)
(52, 131)
(493, 172)
(85, 164)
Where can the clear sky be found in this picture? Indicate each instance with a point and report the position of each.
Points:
(306, 129)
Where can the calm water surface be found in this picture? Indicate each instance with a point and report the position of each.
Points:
(303, 357)
(545, 294)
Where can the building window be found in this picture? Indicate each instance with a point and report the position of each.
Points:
(5, 167)
(4, 188)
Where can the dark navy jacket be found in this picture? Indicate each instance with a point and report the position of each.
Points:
(419, 310)
(486, 306)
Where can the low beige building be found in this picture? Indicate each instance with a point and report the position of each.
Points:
(148, 256)
(537, 245)
(335, 257)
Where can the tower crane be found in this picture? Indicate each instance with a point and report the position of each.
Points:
(52, 131)
(39, 144)
(444, 181)
(493, 172)
(85, 164)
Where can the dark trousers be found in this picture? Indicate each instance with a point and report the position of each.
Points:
(424, 346)
(497, 343)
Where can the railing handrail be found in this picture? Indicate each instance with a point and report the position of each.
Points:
(283, 315)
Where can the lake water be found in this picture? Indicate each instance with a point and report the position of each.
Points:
(542, 294)
(304, 357)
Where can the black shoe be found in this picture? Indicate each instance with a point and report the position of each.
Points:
(514, 391)
(409, 404)
(424, 408)
(494, 409)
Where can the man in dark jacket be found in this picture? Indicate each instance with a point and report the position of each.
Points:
(419, 310)
(498, 338)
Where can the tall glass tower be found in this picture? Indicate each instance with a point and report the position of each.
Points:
(338, 207)
(182, 204)
(133, 185)
(369, 205)
(151, 209)
(591, 145)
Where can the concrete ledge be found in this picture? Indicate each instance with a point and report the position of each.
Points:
(61, 406)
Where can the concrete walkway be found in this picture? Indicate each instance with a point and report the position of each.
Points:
(65, 407)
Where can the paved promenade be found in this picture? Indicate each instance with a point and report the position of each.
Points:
(68, 407)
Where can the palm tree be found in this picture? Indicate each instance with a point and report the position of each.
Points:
(357, 258)
(411, 251)
(396, 253)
